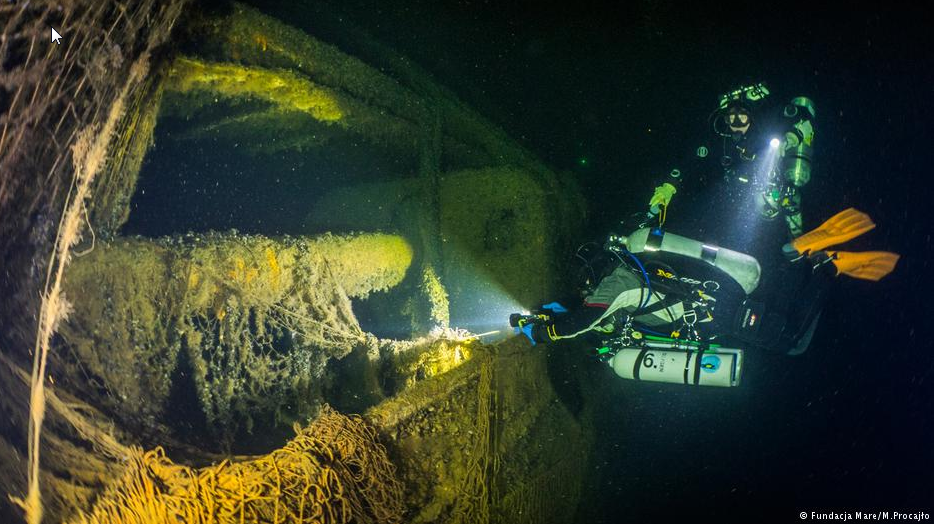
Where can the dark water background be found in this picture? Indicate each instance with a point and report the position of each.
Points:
(845, 427)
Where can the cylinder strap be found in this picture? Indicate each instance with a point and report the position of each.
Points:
(654, 241)
(637, 366)
(709, 254)
(697, 366)
(687, 364)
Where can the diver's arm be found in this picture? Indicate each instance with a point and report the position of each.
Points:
(620, 290)
(664, 191)
(683, 178)
(569, 325)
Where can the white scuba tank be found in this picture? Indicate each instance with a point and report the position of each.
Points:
(741, 267)
(679, 364)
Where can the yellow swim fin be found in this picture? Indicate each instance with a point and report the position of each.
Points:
(845, 225)
(867, 265)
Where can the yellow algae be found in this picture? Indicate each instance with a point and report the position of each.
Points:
(193, 278)
(283, 88)
(261, 40)
(439, 308)
(274, 270)
(256, 317)
(366, 262)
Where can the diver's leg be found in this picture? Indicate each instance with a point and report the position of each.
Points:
(579, 320)
(793, 218)
(812, 278)
(786, 318)
(805, 341)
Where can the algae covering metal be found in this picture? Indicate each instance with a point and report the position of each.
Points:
(386, 103)
(499, 226)
(489, 441)
(264, 331)
(485, 441)
(61, 106)
(256, 319)
(253, 82)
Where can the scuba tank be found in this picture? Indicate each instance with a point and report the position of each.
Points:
(799, 139)
(742, 268)
(679, 362)
(706, 276)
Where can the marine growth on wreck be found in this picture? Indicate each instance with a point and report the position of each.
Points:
(218, 376)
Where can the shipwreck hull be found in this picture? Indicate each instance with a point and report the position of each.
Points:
(190, 355)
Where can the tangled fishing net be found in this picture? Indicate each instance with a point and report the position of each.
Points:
(332, 471)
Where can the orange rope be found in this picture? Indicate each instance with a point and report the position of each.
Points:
(333, 471)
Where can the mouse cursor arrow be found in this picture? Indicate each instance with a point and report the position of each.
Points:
(57, 38)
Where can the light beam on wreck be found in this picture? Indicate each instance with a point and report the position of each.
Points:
(749, 209)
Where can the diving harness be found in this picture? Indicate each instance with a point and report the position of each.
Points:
(684, 354)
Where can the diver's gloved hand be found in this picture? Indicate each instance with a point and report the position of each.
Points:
(525, 324)
(535, 326)
(662, 196)
(541, 333)
(529, 331)
(554, 308)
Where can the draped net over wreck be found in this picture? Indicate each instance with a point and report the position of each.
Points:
(210, 376)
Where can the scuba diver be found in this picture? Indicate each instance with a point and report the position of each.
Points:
(674, 309)
(759, 151)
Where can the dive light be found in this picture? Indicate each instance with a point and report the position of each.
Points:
(519, 320)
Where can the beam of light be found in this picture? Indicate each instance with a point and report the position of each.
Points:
(485, 309)
(494, 335)
(768, 163)
(480, 302)
(747, 219)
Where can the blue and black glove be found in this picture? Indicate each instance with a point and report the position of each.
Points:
(536, 326)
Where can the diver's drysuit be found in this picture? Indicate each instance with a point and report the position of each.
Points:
(700, 292)
(695, 291)
(767, 157)
(677, 310)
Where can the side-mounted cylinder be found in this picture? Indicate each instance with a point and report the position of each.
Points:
(799, 115)
(680, 364)
(742, 268)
